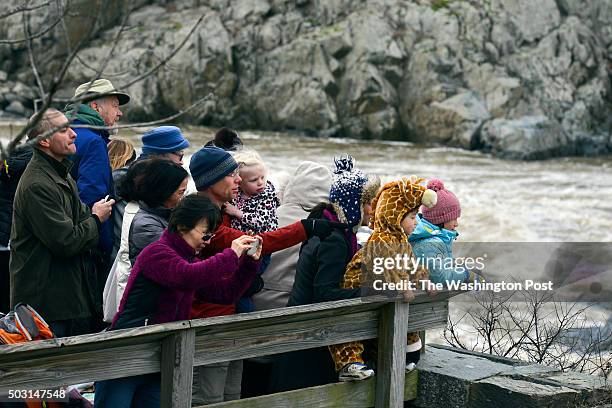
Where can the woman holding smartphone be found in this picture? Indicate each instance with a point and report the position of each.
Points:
(164, 280)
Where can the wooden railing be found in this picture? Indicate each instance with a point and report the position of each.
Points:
(175, 348)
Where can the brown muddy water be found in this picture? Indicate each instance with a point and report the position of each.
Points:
(557, 200)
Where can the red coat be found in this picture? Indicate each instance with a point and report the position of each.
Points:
(273, 241)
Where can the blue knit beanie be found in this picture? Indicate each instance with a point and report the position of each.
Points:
(163, 139)
(209, 165)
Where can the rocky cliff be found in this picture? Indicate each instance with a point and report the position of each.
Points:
(520, 78)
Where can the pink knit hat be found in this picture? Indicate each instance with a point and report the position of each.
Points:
(446, 209)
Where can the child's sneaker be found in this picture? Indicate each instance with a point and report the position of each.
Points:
(410, 367)
(355, 372)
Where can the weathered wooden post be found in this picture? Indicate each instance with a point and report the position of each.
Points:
(177, 369)
(392, 338)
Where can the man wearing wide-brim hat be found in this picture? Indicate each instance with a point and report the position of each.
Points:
(97, 103)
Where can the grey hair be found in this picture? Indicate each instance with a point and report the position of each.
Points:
(44, 125)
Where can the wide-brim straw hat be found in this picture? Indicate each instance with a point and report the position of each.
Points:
(99, 88)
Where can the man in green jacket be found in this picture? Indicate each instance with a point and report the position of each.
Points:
(52, 231)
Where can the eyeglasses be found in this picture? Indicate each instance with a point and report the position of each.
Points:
(208, 236)
(234, 173)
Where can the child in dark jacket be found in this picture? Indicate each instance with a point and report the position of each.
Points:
(320, 268)
(163, 283)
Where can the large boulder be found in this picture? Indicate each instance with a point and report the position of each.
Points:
(521, 22)
(527, 138)
(292, 91)
(457, 119)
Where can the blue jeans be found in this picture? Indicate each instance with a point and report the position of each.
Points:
(130, 392)
(245, 304)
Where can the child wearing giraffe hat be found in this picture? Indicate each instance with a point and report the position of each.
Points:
(395, 209)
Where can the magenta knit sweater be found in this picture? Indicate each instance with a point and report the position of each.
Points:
(166, 276)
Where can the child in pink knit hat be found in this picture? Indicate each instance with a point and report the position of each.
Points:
(433, 237)
(447, 210)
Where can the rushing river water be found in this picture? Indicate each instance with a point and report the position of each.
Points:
(566, 199)
(558, 200)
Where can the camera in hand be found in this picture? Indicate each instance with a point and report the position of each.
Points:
(254, 247)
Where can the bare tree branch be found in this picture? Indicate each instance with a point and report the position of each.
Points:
(106, 74)
(165, 60)
(48, 97)
(53, 88)
(59, 7)
(99, 71)
(33, 36)
(539, 329)
(152, 123)
(22, 8)
(26, 30)
(50, 132)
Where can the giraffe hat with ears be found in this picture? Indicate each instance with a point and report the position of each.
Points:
(393, 202)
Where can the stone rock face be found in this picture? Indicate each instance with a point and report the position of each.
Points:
(15, 107)
(517, 78)
(16, 98)
(471, 379)
(457, 119)
(529, 137)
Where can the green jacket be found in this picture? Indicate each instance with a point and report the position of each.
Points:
(51, 233)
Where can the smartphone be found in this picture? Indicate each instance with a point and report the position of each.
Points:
(254, 247)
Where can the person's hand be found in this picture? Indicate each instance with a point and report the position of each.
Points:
(321, 228)
(408, 295)
(242, 244)
(232, 210)
(431, 290)
(257, 253)
(102, 209)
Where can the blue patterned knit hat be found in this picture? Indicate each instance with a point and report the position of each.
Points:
(351, 188)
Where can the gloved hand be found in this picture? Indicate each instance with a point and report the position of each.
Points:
(320, 228)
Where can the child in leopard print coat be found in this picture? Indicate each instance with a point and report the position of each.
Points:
(253, 210)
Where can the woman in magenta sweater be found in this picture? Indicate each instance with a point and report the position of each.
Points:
(164, 280)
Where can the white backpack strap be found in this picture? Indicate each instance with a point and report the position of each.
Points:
(124, 266)
(120, 271)
(128, 216)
